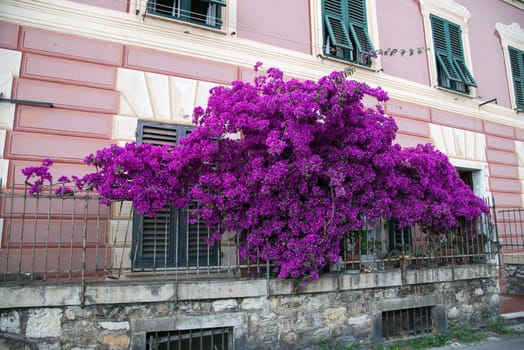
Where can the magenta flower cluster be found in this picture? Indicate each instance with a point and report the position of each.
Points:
(290, 166)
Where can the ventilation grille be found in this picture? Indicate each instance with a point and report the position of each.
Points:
(407, 322)
(191, 339)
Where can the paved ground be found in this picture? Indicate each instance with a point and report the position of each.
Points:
(492, 343)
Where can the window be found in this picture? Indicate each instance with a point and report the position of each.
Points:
(449, 54)
(203, 12)
(516, 58)
(345, 30)
(399, 238)
(169, 240)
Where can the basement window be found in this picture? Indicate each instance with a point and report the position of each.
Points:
(191, 339)
(397, 324)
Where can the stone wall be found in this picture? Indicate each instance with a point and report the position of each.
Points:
(341, 308)
(514, 266)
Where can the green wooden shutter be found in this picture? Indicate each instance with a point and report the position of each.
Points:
(442, 48)
(516, 58)
(457, 51)
(449, 53)
(335, 24)
(358, 26)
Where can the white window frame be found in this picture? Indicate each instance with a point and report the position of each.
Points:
(229, 18)
(457, 14)
(318, 40)
(510, 35)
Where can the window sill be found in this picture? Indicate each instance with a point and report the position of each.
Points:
(371, 68)
(187, 26)
(454, 92)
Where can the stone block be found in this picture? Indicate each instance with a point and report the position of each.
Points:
(115, 341)
(10, 322)
(44, 323)
(114, 326)
(222, 305)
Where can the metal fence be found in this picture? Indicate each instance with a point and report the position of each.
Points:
(73, 237)
(511, 229)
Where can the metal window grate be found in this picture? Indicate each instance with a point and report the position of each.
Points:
(191, 339)
(407, 322)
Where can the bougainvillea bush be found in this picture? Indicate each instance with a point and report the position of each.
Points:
(290, 166)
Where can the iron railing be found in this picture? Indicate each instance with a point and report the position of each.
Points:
(511, 229)
(73, 237)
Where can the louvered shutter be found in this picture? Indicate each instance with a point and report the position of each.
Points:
(335, 24)
(449, 53)
(169, 239)
(516, 58)
(457, 51)
(358, 26)
(442, 45)
(193, 249)
(154, 237)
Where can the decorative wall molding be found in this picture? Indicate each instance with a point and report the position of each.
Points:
(168, 36)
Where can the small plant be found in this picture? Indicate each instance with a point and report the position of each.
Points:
(466, 334)
(499, 327)
(429, 341)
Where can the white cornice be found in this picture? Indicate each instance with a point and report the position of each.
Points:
(180, 38)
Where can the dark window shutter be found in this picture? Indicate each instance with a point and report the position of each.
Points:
(399, 238)
(335, 24)
(516, 58)
(337, 31)
(358, 26)
(345, 23)
(449, 53)
(169, 239)
(154, 244)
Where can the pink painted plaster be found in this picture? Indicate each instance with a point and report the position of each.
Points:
(506, 171)
(400, 26)
(26, 145)
(488, 66)
(406, 140)
(504, 185)
(184, 66)
(406, 109)
(507, 200)
(118, 5)
(499, 129)
(54, 259)
(501, 157)
(58, 169)
(22, 232)
(68, 96)
(64, 122)
(519, 134)
(68, 71)
(414, 127)
(280, 23)
(456, 121)
(8, 35)
(500, 143)
(69, 46)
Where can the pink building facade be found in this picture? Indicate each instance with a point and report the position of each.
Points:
(108, 67)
